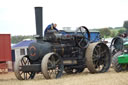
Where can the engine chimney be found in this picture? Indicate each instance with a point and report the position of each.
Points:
(39, 25)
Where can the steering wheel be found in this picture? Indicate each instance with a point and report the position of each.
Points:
(82, 36)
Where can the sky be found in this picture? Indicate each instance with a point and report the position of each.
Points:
(17, 17)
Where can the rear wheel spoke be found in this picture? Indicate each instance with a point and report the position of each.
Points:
(57, 61)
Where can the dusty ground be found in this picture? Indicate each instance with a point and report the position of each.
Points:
(84, 78)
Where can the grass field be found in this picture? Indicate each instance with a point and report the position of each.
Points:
(84, 78)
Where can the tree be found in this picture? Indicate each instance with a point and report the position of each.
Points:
(105, 32)
(113, 33)
(121, 31)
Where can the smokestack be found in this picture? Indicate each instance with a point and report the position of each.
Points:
(39, 25)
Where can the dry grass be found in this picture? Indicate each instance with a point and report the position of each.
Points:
(85, 78)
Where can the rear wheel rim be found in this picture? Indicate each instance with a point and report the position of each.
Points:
(98, 58)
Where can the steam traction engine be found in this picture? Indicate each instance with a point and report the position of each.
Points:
(57, 52)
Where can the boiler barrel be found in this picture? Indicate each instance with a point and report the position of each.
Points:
(38, 50)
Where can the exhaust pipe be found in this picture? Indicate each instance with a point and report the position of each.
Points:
(39, 25)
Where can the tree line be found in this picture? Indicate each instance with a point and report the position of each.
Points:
(111, 32)
(17, 38)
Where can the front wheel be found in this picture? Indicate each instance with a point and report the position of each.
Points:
(21, 75)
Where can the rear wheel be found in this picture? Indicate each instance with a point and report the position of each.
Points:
(52, 66)
(98, 58)
(21, 75)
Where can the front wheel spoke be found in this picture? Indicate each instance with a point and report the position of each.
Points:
(27, 62)
(29, 73)
(21, 72)
(26, 76)
(23, 62)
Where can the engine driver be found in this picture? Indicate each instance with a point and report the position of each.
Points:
(51, 27)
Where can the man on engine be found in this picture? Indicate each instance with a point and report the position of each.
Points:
(51, 27)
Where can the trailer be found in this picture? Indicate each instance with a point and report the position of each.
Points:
(5, 52)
